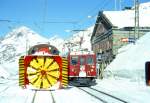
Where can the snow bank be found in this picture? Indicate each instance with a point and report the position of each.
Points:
(3, 72)
(76, 38)
(130, 62)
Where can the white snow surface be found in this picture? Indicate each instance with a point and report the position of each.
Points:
(75, 39)
(126, 18)
(130, 62)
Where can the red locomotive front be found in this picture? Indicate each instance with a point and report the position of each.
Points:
(82, 68)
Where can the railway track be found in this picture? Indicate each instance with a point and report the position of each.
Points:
(39, 96)
(102, 96)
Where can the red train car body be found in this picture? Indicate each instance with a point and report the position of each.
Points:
(82, 68)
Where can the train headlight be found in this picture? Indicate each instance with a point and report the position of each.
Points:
(72, 70)
(93, 66)
(82, 68)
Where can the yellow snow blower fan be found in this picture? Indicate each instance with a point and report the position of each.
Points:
(43, 68)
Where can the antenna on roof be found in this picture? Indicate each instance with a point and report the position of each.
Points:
(119, 4)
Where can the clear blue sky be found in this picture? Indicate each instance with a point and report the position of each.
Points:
(53, 17)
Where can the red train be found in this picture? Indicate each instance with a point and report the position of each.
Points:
(82, 68)
(43, 68)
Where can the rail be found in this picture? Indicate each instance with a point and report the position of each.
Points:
(102, 96)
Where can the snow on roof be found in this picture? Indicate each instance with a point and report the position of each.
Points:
(145, 5)
(126, 18)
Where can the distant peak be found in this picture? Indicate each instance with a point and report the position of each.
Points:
(20, 31)
(54, 37)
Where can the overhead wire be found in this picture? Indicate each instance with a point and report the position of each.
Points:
(94, 11)
(77, 23)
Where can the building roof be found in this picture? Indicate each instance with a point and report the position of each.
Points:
(126, 18)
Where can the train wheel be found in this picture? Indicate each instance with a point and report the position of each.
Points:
(64, 72)
(43, 72)
(21, 72)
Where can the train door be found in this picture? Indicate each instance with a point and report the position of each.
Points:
(91, 65)
(82, 63)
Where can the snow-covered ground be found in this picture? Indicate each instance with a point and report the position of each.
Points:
(131, 92)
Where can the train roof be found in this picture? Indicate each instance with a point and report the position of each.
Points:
(81, 52)
(36, 48)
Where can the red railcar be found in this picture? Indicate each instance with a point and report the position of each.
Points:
(82, 68)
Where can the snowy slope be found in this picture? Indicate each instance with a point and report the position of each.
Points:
(17, 41)
(57, 42)
(145, 6)
(13, 45)
(130, 62)
(76, 38)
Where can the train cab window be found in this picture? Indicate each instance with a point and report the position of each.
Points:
(82, 60)
(74, 60)
(34, 50)
(55, 52)
(90, 60)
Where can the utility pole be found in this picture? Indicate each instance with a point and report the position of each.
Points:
(120, 6)
(26, 44)
(115, 4)
(81, 38)
(136, 21)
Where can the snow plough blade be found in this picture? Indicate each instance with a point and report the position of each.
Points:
(21, 72)
(64, 72)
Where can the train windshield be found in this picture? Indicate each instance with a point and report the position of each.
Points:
(74, 60)
(82, 61)
(90, 60)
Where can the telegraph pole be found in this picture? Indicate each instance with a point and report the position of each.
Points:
(136, 21)
(120, 6)
(115, 4)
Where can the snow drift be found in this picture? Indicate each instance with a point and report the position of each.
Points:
(130, 62)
